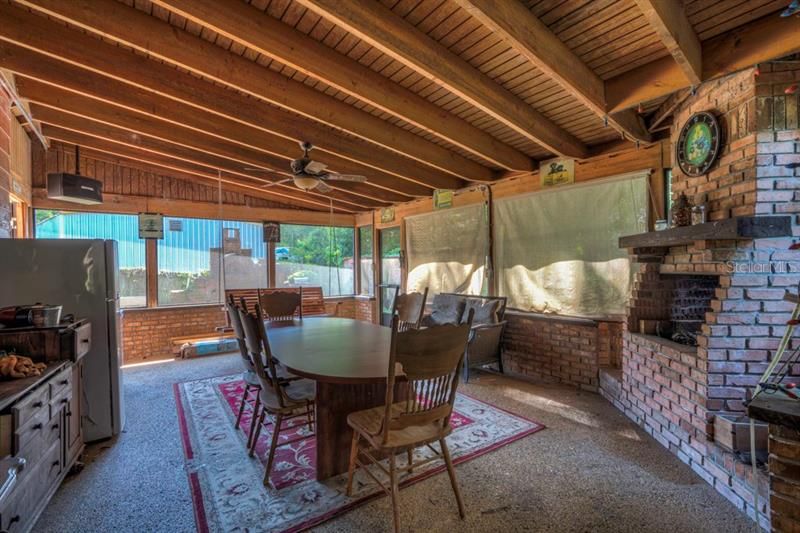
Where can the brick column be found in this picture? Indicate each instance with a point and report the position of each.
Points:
(784, 474)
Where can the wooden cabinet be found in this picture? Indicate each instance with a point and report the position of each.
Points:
(73, 416)
(45, 431)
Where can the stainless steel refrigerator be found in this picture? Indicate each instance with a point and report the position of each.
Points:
(82, 275)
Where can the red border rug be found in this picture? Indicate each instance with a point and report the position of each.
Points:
(226, 485)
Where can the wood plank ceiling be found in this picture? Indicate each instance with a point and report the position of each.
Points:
(414, 94)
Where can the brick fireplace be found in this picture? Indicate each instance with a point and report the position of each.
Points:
(679, 393)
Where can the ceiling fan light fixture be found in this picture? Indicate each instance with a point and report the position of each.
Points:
(306, 182)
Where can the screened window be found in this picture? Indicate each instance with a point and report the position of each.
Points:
(557, 250)
(52, 224)
(316, 256)
(366, 270)
(245, 255)
(189, 266)
(447, 250)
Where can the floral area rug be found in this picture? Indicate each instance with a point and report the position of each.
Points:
(227, 485)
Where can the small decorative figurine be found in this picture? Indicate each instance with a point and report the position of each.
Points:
(682, 212)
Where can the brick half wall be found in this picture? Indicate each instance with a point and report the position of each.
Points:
(147, 333)
(559, 349)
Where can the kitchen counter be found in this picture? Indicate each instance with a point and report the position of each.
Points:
(14, 389)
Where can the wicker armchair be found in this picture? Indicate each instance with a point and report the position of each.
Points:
(487, 327)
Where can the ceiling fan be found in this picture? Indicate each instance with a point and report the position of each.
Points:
(308, 174)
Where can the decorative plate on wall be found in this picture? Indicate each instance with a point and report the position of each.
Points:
(698, 143)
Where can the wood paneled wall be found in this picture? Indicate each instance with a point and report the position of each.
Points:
(125, 177)
(5, 165)
(20, 162)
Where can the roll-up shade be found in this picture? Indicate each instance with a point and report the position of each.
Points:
(447, 250)
(557, 250)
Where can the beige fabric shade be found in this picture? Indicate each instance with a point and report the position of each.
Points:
(557, 250)
(447, 250)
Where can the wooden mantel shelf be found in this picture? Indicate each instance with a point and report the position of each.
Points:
(751, 227)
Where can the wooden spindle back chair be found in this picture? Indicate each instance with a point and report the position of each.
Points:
(429, 361)
(409, 308)
(258, 349)
(282, 399)
(251, 382)
(282, 305)
(238, 333)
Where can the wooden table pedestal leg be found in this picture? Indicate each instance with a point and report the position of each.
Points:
(333, 403)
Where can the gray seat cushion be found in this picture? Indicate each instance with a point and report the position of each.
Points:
(446, 309)
(485, 311)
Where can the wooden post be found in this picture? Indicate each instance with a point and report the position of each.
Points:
(271, 268)
(151, 270)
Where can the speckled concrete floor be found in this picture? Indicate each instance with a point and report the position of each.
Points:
(590, 470)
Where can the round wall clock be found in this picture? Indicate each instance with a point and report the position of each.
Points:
(698, 143)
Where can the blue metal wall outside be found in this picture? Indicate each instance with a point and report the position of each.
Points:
(187, 250)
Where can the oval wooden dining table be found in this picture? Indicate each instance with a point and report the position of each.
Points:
(349, 361)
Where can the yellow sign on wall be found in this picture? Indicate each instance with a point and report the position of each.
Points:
(387, 215)
(442, 198)
(557, 172)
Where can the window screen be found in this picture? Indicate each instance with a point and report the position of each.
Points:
(447, 250)
(365, 268)
(316, 256)
(244, 258)
(189, 265)
(557, 251)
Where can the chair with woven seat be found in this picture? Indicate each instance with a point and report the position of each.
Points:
(249, 376)
(410, 307)
(429, 361)
(278, 306)
(281, 400)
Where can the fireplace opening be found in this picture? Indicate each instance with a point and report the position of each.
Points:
(687, 299)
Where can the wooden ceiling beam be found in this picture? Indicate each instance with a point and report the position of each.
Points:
(260, 32)
(118, 154)
(394, 36)
(666, 109)
(35, 32)
(173, 117)
(132, 27)
(767, 38)
(669, 20)
(520, 28)
(233, 162)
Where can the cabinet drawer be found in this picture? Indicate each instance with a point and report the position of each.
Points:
(18, 508)
(31, 440)
(83, 340)
(51, 466)
(60, 401)
(61, 381)
(30, 407)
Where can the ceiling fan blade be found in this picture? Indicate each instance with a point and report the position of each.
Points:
(272, 183)
(315, 167)
(323, 187)
(346, 177)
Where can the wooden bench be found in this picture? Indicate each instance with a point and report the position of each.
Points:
(313, 302)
